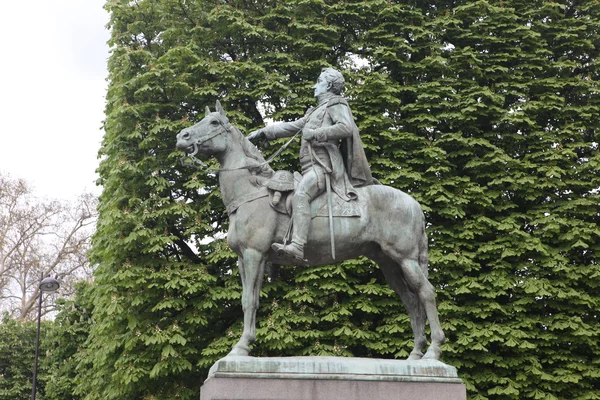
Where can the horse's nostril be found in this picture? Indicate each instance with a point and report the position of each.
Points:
(186, 135)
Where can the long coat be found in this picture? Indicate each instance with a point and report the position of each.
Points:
(335, 131)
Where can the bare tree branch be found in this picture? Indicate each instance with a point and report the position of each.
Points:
(39, 238)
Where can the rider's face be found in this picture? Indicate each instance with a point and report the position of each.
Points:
(322, 86)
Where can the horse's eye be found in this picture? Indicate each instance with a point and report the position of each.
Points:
(214, 122)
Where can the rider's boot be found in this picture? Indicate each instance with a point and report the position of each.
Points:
(301, 223)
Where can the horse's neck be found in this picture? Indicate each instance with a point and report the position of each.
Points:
(234, 179)
(235, 184)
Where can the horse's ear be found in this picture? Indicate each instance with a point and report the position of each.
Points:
(206, 111)
(220, 108)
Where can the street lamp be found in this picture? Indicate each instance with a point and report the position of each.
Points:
(48, 285)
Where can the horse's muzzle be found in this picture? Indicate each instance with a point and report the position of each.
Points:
(189, 149)
(185, 146)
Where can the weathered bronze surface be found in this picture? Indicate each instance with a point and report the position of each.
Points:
(383, 224)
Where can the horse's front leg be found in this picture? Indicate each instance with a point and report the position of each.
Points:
(252, 268)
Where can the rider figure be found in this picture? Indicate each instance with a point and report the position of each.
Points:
(330, 145)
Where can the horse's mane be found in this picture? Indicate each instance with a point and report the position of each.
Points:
(252, 152)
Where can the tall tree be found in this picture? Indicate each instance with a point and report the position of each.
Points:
(494, 136)
(485, 111)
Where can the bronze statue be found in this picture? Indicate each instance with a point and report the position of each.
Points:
(324, 167)
(372, 220)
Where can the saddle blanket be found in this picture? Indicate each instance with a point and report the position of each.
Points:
(319, 207)
(340, 208)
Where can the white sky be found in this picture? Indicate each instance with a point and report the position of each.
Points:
(52, 89)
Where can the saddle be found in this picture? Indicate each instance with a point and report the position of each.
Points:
(282, 188)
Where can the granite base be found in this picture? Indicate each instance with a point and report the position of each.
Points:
(331, 378)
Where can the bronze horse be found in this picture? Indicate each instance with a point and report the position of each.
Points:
(390, 231)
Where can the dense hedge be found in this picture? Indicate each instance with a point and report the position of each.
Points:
(486, 111)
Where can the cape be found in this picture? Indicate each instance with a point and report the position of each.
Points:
(353, 153)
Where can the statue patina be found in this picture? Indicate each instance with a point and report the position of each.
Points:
(324, 167)
(385, 224)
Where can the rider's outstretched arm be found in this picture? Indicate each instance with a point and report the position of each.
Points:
(284, 129)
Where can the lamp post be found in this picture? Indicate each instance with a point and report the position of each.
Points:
(48, 285)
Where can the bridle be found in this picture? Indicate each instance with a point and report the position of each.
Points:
(182, 160)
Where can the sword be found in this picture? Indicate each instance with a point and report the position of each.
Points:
(329, 199)
(329, 205)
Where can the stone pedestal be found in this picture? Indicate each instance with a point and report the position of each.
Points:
(331, 378)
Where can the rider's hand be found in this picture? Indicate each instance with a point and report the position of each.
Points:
(257, 134)
(308, 134)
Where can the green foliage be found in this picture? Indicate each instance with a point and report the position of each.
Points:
(60, 343)
(486, 111)
(64, 343)
(17, 354)
(510, 188)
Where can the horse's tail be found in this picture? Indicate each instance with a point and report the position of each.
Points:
(423, 251)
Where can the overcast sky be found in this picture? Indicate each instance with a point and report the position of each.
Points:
(52, 84)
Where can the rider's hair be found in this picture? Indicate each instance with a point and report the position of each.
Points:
(336, 78)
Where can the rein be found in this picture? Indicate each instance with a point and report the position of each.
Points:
(203, 166)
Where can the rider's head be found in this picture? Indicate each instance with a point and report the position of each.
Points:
(335, 78)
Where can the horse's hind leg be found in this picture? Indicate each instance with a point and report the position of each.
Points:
(252, 268)
(393, 275)
(418, 282)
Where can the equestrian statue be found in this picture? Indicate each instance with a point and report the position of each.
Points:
(333, 210)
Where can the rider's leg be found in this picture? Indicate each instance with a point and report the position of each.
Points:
(301, 224)
(309, 188)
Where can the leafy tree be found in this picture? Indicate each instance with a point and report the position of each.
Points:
(494, 137)
(61, 340)
(17, 351)
(485, 111)
(64, 342)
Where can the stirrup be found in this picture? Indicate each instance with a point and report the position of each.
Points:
(291, 249)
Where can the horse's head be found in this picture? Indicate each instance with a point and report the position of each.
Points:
(207, 137)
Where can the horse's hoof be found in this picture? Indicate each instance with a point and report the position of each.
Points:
(432, 354)
(415, 355)
(239, 351)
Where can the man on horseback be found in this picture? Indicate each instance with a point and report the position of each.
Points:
(331, 153)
